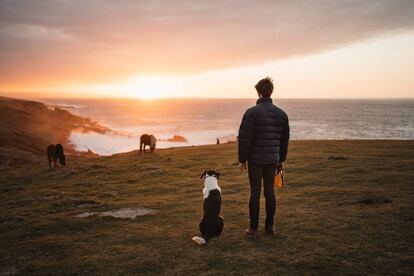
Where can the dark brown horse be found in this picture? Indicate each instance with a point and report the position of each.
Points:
(55, 152)
(147, 140)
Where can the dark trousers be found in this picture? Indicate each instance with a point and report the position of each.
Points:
(256, 174)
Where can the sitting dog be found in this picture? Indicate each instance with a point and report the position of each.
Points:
(212, 223)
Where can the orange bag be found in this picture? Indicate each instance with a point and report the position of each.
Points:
(279, 179)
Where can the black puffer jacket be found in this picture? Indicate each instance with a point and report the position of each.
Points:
(264, 134)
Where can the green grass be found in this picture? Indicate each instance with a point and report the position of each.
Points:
(326, 221)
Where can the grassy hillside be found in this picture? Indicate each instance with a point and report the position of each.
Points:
(28, 127)
(351, 216)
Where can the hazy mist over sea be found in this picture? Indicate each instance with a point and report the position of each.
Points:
(202, 121)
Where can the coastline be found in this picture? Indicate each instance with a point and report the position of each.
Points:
(29, 126)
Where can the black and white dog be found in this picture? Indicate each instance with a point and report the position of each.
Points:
(212, 223)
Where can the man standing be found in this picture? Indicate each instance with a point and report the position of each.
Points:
(263, 144)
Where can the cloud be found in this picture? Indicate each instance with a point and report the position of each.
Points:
(44, 41)
(32, 33)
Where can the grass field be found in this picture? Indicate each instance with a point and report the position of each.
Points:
(351, 216)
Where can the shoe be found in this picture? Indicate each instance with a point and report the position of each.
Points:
(270, 230)
(251, 233)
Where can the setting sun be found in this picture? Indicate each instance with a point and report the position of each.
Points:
(146, 87)
(137, 87)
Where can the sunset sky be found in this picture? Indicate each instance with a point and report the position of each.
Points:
(208, 49)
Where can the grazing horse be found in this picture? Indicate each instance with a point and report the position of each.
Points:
(149, 140)
(55, 152)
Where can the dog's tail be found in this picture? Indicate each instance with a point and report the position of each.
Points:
(199, 240)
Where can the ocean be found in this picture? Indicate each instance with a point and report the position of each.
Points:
(202, 121)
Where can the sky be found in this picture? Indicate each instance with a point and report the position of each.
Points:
(207, 49)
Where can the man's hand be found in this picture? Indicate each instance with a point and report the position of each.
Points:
(243, 167)
(279, 167)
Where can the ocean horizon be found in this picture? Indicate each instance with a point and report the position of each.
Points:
(203, 121)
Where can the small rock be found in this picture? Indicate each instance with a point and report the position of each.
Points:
(337, 157)
(374, 199)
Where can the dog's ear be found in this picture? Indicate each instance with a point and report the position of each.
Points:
(217, 174)
(204, 173)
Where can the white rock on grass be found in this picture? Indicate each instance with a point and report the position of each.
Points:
(130, 213)
(85, 214)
